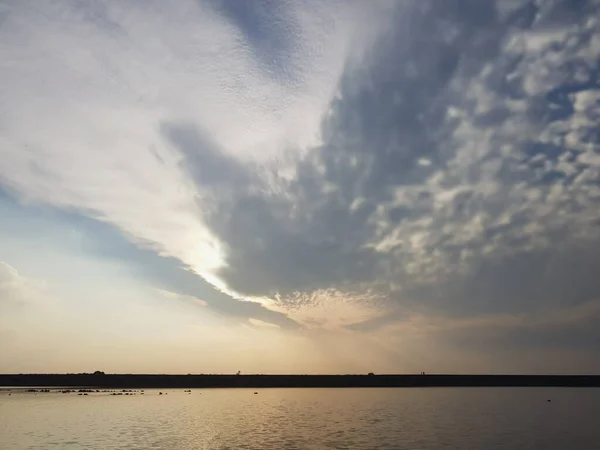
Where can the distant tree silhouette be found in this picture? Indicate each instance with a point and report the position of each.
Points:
(239, 372)
(99, 372)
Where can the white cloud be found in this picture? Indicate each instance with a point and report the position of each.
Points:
(182, 297)
(331, 309)
(15, 289)
(261, 324)
(84, 90)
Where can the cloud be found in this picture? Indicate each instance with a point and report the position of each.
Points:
(566, 328)
(182, 297)
(260, 324)
(168, 275)
(362, 211)
(15, 289)
(341, 167)
(554, 340)
(95, 82)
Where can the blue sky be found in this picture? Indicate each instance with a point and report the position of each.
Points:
(300, 186)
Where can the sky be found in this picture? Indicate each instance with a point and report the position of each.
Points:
(300, 186)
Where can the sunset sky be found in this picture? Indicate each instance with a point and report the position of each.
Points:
(300, 186)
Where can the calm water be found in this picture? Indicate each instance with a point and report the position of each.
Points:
(416, 419)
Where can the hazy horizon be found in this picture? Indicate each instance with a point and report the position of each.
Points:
(290, 373)
(314, 186)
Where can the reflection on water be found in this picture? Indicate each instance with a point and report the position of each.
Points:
(434, 418)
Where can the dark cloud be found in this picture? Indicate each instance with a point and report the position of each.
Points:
(446, 179)
(377, 322)
(270, 30)
(523, 282)
(575, 329)
(282, 246)
(315, 238)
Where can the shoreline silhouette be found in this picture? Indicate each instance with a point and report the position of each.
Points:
(101, 380)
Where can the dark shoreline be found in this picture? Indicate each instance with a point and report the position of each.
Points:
(131, 381)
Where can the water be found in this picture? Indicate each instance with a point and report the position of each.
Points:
(415, 419)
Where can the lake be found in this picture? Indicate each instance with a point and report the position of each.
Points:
(411, 418)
